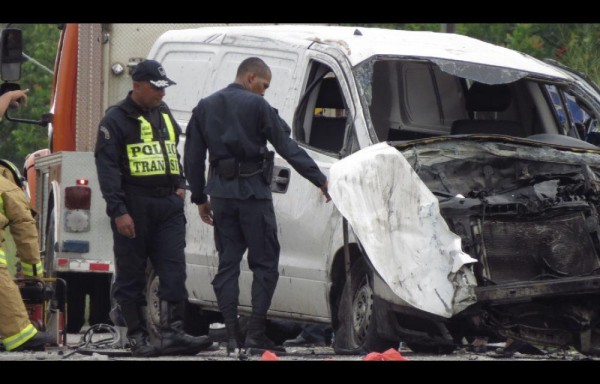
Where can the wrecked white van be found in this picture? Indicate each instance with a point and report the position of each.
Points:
(465, 172)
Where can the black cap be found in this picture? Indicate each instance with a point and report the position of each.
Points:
(152, 71)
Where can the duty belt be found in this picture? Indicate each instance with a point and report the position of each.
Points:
(148, 191)
(242, 168)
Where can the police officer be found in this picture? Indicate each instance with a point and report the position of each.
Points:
(234, 125)
(142, 182)
(16, 330)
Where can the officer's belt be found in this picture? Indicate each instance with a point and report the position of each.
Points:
(148, 191)
(243, 168)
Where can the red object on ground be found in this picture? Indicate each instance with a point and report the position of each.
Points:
(389, 355)
(269, 356)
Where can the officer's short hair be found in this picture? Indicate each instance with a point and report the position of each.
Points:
(253, 64)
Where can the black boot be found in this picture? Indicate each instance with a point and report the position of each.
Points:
(234, 337)
(137, 333)
(256, 340)
(174, 341)
(35, 343)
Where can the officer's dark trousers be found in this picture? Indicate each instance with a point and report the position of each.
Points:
(240, 225)
(160, 236)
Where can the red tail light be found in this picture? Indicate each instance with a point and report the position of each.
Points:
(78, 197)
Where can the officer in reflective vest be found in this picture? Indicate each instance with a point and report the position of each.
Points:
(16, 330)
(142, 181)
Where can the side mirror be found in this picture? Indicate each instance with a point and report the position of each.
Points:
(11, 54)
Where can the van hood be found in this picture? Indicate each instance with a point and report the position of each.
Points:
(398, 222)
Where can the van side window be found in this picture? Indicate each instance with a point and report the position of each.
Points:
(321, 117)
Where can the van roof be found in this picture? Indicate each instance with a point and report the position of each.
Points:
(371, 41)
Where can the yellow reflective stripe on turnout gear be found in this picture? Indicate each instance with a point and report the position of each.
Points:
(147, 158)
(28, 269)
(20, 338)
(2, 254)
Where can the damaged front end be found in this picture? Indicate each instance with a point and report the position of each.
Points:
(528, 213)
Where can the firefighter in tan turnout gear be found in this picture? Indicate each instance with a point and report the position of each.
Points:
(16, 330)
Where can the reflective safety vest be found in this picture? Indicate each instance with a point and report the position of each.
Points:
(152, 157)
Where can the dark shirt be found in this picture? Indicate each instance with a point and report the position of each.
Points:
(234, 122)
(120, 126)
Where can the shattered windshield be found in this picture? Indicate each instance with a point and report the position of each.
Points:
(481, 73)
(407, 98)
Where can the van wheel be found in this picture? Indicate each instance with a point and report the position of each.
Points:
(195, 321)
(356, 331)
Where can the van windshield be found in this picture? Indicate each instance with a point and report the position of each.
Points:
(410, 98)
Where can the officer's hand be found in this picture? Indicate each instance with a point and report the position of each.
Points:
(180, 192)
(206, 213)
(125, 225)
(18, 97)
(325, 190)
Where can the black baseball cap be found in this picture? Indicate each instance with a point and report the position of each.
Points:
(152, 71)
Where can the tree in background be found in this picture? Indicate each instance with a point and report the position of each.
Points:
(17, 140)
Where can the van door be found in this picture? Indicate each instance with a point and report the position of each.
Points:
(310, 229)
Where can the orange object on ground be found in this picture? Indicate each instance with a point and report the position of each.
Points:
(389, 355)
(269, 356)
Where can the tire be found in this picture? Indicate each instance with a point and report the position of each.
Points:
(153, 304)
(356, 331)
(195, 321)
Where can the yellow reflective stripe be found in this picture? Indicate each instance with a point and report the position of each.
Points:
(20, 338)
(146, 158)
(145, 129)
(2, 257)
(28, 269)
(170, 128)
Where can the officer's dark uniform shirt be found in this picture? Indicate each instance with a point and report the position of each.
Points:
(234, 122)
(119, 127)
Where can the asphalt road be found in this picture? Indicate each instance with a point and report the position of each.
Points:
(75, 350)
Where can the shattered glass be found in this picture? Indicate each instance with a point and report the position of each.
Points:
(481, 73)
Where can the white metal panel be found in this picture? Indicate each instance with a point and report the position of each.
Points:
(81, 165)
(373, 41)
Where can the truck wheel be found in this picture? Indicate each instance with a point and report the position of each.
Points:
(195, 320)
(356, 331)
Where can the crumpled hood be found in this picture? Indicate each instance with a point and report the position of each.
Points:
(397, 220)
